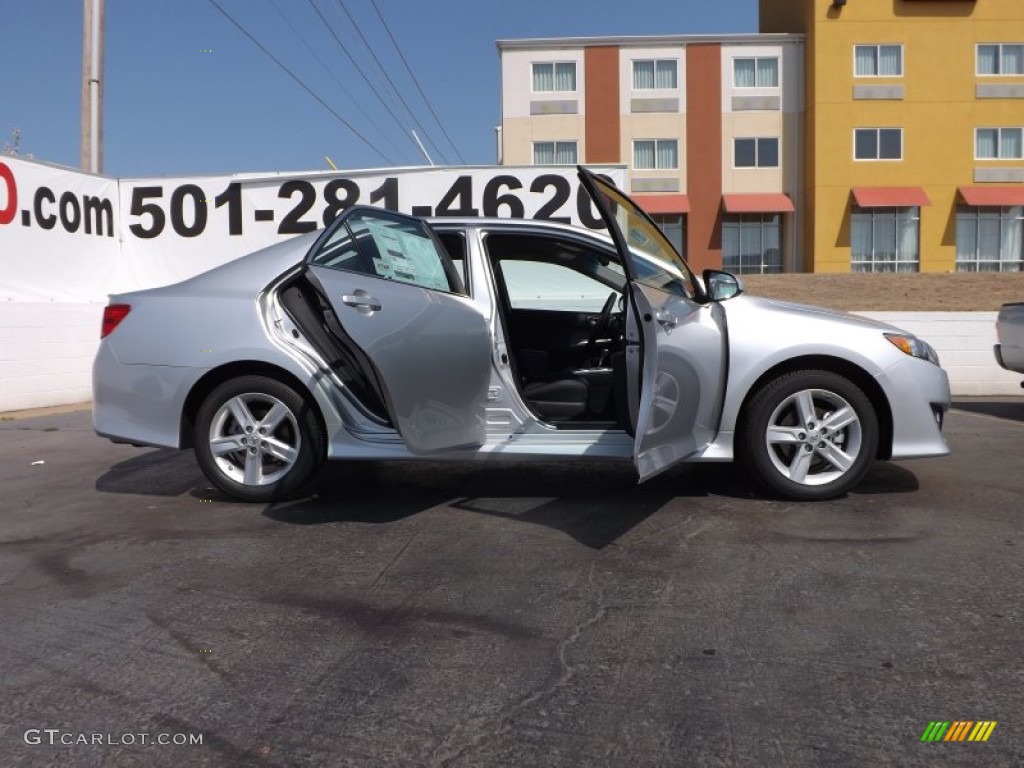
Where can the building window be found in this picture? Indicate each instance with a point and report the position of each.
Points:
(885, 239)
(674, 227)
(751, 243)
(756, 153)
(999, 144)
(878, 143)
(554, 76)
(655, 74)
(756, 73)
(878, 60)
(554, 153)
(656, 154)
(990, 239)
(1004, 59)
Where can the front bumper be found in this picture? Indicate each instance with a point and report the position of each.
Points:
(919, 397)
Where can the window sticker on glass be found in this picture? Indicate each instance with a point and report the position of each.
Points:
(406, 256)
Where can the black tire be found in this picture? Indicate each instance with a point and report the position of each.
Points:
(288, 454)
(810, 467)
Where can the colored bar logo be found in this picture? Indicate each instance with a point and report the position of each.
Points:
(959, 730)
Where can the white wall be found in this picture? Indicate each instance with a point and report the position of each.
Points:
(964, 341)
(46, 351)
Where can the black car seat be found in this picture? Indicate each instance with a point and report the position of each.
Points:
(558, 400)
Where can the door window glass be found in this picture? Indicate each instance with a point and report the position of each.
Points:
(389, 247)
(541, 285)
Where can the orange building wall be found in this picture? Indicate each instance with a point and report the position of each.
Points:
(704, 155)
(601, 139)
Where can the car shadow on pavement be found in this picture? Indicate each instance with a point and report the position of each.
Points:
(595, 503)
(1012, 410)
(159, 472)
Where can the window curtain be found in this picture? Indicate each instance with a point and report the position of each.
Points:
(967, 240)
(889, 60)
(565, 77)
(1013, 60)
(666, 77)
(865, 56)
(543, 77)
(543, 153)
(988, 59)
(860, 236)
(1010, 252)
(772, 244)
(565, 153)
(908, 231)
(1010, 143)
(668, 154)
(767, 73)
(643, 155)
(987, 143)
(643, 74)
(744, 73)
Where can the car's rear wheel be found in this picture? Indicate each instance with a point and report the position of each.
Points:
(257, 439)
(809, 435)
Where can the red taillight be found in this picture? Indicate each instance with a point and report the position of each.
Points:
(113, 314)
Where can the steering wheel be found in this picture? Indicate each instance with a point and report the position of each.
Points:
(602, 323)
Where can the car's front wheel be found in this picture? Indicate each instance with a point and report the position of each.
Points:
(257, 439)
(809, 435)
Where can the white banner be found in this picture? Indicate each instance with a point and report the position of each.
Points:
(58, 233)
(57, 226)
(173, 228)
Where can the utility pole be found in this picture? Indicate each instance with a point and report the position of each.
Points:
(93, 32)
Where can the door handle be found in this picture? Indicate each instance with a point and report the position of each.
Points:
(667, 319)
(362, 300)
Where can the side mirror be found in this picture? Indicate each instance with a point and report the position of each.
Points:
(721, 285)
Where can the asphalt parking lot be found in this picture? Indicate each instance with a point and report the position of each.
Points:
(516, 615)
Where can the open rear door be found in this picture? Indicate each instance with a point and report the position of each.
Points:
(675, 337)
(398, 300)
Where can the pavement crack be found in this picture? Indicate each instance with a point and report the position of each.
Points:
(186, 643)
(485, 727)
(397, 556)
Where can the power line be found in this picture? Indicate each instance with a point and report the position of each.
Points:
(295, 77)
(359, 69)
(416, 81)
(341, 4)
(334, 77)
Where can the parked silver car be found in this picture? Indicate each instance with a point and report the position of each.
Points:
(1009, 351)
(390, 337)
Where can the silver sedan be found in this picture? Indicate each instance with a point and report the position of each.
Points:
(389, 337)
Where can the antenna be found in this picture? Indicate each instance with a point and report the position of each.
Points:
(420, 145)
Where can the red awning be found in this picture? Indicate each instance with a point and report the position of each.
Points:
(993, 196)
(773, 202)
(890, 197)
(663, 203)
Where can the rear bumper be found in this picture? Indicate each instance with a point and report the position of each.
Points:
(1010, 358)
(139, 404)
(919, 397)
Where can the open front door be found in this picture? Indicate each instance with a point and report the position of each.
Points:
(675, 338)
(398, 300)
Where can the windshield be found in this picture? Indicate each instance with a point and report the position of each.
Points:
(653, 259)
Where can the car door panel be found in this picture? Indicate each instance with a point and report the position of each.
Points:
(680, 388)
(431, 350)
(386, 277)
(675, 339)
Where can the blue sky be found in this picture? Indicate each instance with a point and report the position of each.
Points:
(174, 108)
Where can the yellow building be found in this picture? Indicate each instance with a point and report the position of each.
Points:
(914, 145)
